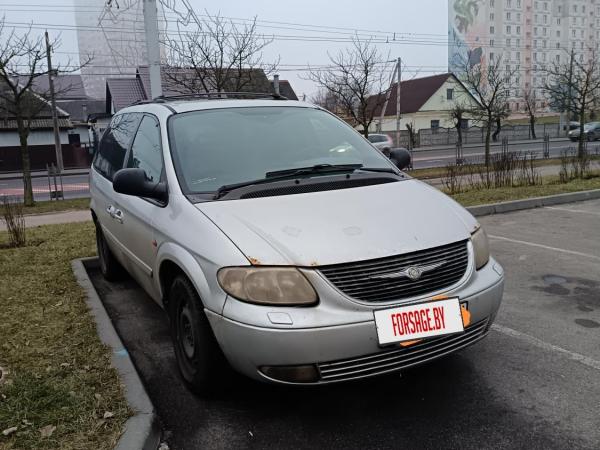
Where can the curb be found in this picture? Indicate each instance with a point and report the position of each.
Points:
(142, 431)
(535, 202)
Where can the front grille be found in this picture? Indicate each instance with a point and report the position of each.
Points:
(401, 358)
(357, 280)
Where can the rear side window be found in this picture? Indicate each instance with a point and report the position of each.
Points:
(146, 150)
(114, 144)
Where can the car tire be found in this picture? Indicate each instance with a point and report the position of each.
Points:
(111, 269)
(201, 362)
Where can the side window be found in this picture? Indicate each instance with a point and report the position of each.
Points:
(114, 144)
(146, 150)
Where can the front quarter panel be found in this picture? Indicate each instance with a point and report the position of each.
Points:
(186, 237)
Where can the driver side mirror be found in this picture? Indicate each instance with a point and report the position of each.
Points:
(400, 157)
(134, 182)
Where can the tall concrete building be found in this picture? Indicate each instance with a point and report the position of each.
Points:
(113, 37)
(527, 34)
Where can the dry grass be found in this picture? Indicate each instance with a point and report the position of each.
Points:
(550, 186)
(60, 373)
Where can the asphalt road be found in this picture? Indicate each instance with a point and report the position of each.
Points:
(532, 383)
(74, 186)
(423, 158)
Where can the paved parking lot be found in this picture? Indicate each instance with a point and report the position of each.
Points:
(534, 382)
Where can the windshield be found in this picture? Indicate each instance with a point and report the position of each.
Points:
(219, 147)
(590, 126)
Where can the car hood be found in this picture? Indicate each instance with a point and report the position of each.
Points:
(339, 226)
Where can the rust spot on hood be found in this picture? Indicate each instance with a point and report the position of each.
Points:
(254, 261)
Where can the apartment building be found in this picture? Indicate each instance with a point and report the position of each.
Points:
(527, 35)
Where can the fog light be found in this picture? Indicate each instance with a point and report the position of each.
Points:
(292, 374)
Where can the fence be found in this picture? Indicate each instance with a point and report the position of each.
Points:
(475, 135)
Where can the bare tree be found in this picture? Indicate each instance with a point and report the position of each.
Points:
(326, 100)
(574, 86)
(458, 114)
(490, 85)
(216, 55)
(22, 61)
(356, 78)
(531, 101)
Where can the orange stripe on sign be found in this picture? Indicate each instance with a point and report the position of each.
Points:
(409, 343)
(466, 315)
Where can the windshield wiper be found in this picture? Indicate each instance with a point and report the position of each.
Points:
(318, 168)
(290, 173)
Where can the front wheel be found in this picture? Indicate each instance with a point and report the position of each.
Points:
(201, 362)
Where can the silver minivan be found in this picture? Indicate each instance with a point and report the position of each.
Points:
(283, 244)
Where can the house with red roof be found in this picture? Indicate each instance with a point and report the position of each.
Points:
(424, 103)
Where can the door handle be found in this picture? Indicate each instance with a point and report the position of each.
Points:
(110, 209)
(118, 215)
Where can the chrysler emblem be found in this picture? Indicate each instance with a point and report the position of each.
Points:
(412, 272)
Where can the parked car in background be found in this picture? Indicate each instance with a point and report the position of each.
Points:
(282, 244)
(591, 132)
(382, 141)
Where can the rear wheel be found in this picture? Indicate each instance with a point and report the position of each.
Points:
(111, 269)
(201, 362)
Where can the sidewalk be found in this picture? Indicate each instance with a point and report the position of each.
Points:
(42, 174)
(35, 220)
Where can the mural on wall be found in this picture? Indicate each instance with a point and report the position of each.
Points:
(467, 29)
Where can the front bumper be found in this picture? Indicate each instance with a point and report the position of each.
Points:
(351, 351)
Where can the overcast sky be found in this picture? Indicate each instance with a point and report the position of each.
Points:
(385, 17)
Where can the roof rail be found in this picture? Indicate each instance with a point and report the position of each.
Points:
(219, 96)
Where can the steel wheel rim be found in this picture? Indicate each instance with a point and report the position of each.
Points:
(186, 332)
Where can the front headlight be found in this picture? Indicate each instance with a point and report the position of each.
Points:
(480, 247)
(283, 286)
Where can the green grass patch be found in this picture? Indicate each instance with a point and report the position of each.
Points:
(550, 186)
(57, 206)
(59, 372)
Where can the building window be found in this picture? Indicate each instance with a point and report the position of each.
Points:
(491, 56)
(559, 9)
(557, 33)
(508, 16)
(507, 29)
(491, 30)
(518, 55)
(558, 21)
(492, 3)
(491, 42)
(518, 42)
(464, 123)
(508, 42)
(518, 29)
(491, 16)
(435, 125)
(449, 94)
